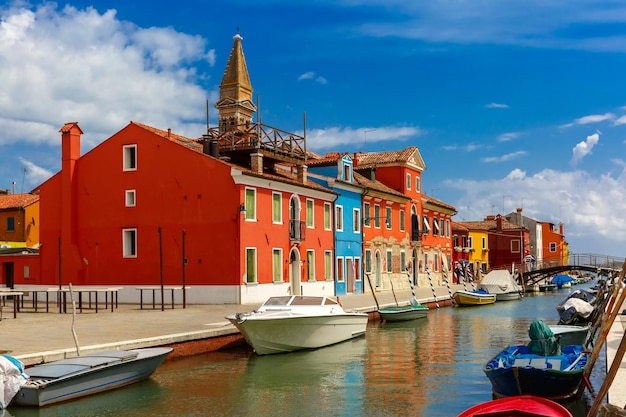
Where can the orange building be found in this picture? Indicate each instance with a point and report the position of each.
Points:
(19, 220)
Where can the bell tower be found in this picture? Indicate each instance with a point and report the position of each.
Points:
(235, 106)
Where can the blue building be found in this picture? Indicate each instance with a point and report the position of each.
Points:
(335, 171)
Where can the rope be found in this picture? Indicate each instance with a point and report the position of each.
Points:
(432, 287)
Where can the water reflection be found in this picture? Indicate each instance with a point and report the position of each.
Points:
(429, 367)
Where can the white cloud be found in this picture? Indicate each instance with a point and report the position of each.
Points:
(497, 106)
(594, 118)
(62, 65)
(34, 173)
(620, 121)
(584, 148)
(575, 198)
(505, 137)
(357, 139)
(312, 76)
(504, 158)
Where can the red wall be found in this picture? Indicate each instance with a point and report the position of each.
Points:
(176, 189)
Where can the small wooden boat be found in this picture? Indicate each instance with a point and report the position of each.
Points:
(473, 298)
(571, 335)
(67, 379)
(518, 371)
(523, 405)
(403, 313)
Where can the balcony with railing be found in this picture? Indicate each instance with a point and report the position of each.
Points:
(297, 230)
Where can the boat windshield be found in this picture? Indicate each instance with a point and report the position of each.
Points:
(277, 301)
(307, 301)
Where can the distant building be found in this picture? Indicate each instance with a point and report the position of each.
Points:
(19, 220)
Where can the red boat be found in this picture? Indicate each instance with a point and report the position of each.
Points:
(519, 406)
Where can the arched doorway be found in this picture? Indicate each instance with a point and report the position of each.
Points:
(294, 271)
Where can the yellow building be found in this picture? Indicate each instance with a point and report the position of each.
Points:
(19, 220)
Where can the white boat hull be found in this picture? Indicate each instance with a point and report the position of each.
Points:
(287, 334)
(508, 296)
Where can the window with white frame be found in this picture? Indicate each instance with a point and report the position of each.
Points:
(310, 265)
(277, 212)
(436, 262)
(447, 228)
(309, 213)
(251, 275)
(368, 261)
(470, 242)
(515, 246)
(129, 198)
(129, 157)
(340, 270)
(402, 261)
(483, 242)
(377, 216)
(388, 218)
(442, 230)
(250, 204)
(339, 218)
(328, 265)
(425, 225)
(327, 216)
(402, 220)
(408, 181)
(552, 247)
(435, 226)
(356, 220)
(366, 214)
(277, 264)
(389, 261)
(129, 243)
(418, 185)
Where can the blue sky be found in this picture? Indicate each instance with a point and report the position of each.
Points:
(512, 104)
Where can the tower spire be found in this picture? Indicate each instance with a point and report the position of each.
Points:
(235, 106)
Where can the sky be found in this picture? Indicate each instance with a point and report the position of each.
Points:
(512, 104)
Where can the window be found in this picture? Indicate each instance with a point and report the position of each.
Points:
(310, 265)
(435, 226)
(368, 260)
(327, 216)
(366, 214)
(309, 213)
(402, 261)
(388, 217)
(130, 198)
(10, 224)
(425, 225)
(447, 228)
(346, 173)
(552, 247)
(408, 181)
(483, 242)
(129, 243)
(277, 265)
(250, 265)
(26, 271)
(339, 218)
(418, 185)
(277, 213)
(464, 240)
(442, 228)
(250, 204)
(515, 246)
(425, 261)
(129, 157)
(377, 216)
(389, 261)
(328, 265)
(455, 240)
(339, 269)
(470, 242)
(402, 220)
(356, 220)
(436, 263)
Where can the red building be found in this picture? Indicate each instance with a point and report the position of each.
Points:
(232, 213)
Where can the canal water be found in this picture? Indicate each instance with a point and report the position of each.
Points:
(429, 367)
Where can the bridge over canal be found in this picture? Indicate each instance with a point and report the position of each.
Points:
(596, 264)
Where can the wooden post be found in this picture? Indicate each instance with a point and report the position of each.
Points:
(610, 376)
(373, 293)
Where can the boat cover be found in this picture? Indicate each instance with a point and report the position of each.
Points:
(499, 281)
(11, 378)
(542, 339)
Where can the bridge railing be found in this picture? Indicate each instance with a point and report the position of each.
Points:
(599, 261)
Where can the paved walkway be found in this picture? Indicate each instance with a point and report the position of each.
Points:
(37, 337)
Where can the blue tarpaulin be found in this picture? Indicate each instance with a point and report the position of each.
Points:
(560, 279)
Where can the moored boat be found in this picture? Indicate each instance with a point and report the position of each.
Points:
(403, 313)
(72, 378)
(571, 335)
(501, 283)
(523, 405)
(517, 371)
(473, 298)
(295, 322)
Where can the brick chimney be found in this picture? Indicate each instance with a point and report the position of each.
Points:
(70, 153)
(256, 162)
(302, 174)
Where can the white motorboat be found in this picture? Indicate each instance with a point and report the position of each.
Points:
(501, 283)
(295, 322)
(67, 379)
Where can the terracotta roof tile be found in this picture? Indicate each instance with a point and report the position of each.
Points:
(386, 157)
(182, 140)
(433, 200)
(490, 224)
(376, 185)
(13, 201)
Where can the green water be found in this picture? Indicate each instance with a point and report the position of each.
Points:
(429, 367)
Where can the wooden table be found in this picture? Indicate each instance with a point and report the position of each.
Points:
(154, 289)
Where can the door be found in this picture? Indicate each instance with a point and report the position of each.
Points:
(350, 275)
(379, 267)
(9, 271)
(294, 272)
